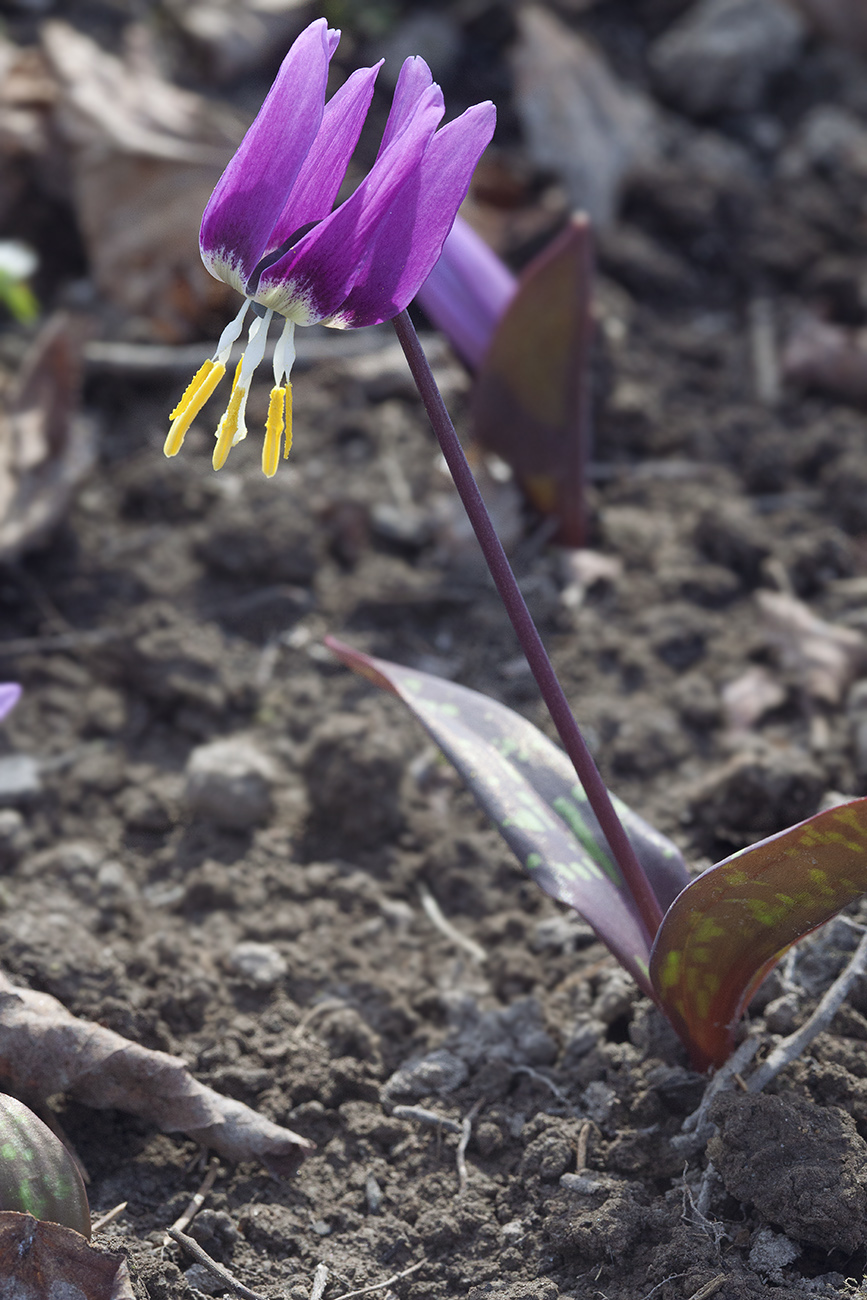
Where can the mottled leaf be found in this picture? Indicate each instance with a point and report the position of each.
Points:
(38, 1176)
(528, 787)
(531, 396)
(729, 927)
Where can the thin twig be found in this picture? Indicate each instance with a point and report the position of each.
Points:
(709, 1178)
(423, 1116)
(197, 1200)
(434, 914)
(320, 1281)
(380, 1286)
(673, 1277)
(766, 363)
(581, 1150)
(466, 1134)
(710, 1288)
(100, 1224)
(552, 693)
(62, 641)
(790, 1048)
(721, 1081)
(543, 1078)
(219, 1270)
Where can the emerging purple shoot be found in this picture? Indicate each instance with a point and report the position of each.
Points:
(528, 340)
(467, 292)
(270, 232)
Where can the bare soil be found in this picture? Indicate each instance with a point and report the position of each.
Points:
(176, 607)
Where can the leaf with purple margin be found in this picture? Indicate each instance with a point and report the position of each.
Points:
(528, 787)
(730, 926)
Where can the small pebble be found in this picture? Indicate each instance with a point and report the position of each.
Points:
(229, 783)
(439, 1071)
(373, 1194)
(203, 1280)
(20, 779)
(257, 963)
(770, 1252)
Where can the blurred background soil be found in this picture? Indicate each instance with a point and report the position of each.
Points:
(263, 910)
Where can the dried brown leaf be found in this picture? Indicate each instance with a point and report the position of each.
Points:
(824, 658)
(749, 697)
(45, 1050)
(44, 1261)
(45, 447)
(844, 21)
(827, 357)
(145, 156)
(579, 120)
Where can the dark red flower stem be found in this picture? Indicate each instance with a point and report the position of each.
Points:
(525, 628)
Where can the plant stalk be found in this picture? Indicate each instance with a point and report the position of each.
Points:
(525, 629)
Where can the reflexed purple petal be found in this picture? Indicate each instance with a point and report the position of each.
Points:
(311, 281)
(323, 169)
(252, 192)
(414, 79)
(409, 233)
(467, 292)
(10, 693)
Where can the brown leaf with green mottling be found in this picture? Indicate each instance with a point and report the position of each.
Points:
(728, 928)
(528, 787)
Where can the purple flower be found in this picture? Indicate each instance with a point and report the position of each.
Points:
(270, 232)
(467, 292)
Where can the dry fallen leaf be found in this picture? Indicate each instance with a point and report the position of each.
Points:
(579, 121)
(145, 156)
(844, 21)
(45, 447)
(749, 697)
(823, 657)
(827, 357)
(44, 1261)
(45, 1050)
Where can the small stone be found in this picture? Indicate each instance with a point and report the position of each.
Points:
(599, 1099)
(229, 783)
(781, 1014)
(770, 1252)
(586, 1035)
(720, 56)
(20, 779)
(439, 1072)
(257, 963)
(204, 1280)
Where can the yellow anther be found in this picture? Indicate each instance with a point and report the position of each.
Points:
(288, 444)
(273, 430)
(199, 389)
(228, 426)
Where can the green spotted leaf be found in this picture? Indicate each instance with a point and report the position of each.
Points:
(731, 925)
(37, 1174)
(528, 787)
